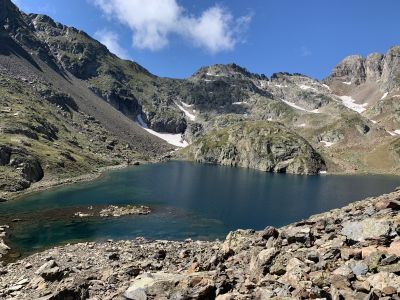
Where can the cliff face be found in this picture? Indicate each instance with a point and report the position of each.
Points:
(258, 145)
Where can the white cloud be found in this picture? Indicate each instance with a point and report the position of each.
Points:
(154, 21)
(111, 40)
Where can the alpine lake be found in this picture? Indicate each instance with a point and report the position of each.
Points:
(187, 200)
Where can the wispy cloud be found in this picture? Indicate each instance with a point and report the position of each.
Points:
(305, 51)
(154, 21)
(111, 40)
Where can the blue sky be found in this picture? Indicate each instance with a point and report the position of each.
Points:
(174, 38)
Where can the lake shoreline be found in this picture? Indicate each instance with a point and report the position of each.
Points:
(45, 185)
(55, 183)
(331, 254)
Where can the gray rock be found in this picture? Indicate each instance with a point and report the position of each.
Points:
(269, 232)
(296, 234)
(359, 268)
(51, 274)
(237, 241)
(261, 262)
(367, 229)
(135, 294)
(49, 271)
(384, 279)
(344, 271)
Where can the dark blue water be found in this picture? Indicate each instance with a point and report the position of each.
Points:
(188, 200)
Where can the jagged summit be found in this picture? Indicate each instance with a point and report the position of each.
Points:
(381, 68)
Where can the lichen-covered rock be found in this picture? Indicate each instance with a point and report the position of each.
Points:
(265, 146)
(366, 229)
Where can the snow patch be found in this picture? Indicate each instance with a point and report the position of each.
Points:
(280, 86)
(213, 74)
(307, 87)
(302, 125)
(171, 138)
(323, 172)
(384, 95)
(347, 82)
(326, 86)
(240, 103)
(262, 84)
(394, 132)
(186, 112)
(186, 105)
(315, 111)
(327, 144)
(349, 103)
(373, 121)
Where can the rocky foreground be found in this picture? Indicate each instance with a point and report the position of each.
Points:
(348, 253)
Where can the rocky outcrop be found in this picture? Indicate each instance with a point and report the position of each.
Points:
(347, 253)
(165, 121)
(391, 69)
(3, 247)
(350, 69)
(114, 211)
(265, 146)
(376, 68)
(26, 168)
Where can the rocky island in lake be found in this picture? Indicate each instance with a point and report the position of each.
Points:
(116, 183)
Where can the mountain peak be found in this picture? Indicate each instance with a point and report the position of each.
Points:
(231, 70)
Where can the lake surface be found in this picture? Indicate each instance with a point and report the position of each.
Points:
(188, 200)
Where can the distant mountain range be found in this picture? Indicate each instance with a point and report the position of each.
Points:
(69, 106)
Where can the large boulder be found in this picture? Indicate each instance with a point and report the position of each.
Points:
(366, 229)
(171, 286)
(382, 280)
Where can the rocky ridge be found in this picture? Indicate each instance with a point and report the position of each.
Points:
(347, 253)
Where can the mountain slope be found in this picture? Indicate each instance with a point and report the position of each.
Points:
(52, 125)
(119, 110)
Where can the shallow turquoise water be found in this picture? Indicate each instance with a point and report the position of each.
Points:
(189, 200)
